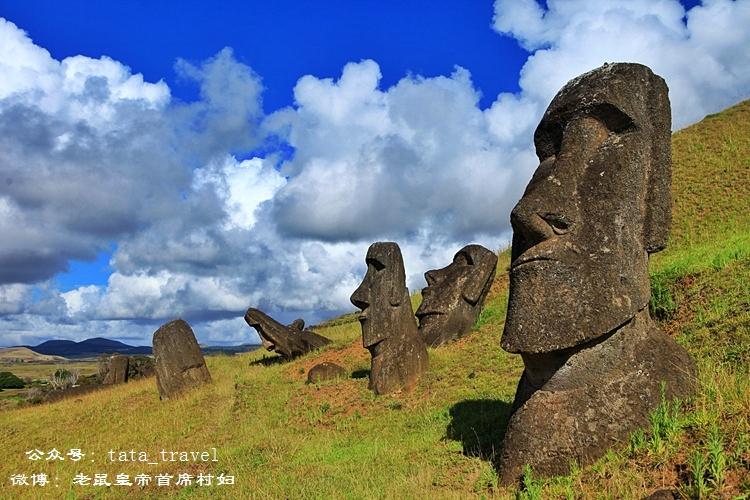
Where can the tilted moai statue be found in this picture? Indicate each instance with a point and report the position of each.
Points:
(455, 294)
(178, 359)
(389, 329)
(288, 341)
(596, 207)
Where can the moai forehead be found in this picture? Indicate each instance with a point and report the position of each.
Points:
(626, 98)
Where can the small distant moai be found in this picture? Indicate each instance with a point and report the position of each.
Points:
(389, 329)
(454, 296)
(117, 370)
(178, 359)
(596, 207)
(288, 341)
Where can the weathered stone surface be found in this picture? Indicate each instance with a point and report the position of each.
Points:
(325, 371)
(297, 324)
(289, 341)
(389, 329)
(596, 207)
(117, 370)
(663, 494)
(178, 359)
(455, 295)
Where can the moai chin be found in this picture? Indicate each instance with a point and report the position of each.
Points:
(455, 295)
(389, 329)
(596, 207)
(288, 341)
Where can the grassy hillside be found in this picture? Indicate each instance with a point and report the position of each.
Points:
(25, 355)
(283, 438)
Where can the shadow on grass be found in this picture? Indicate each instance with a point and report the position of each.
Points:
(268, 361)
(363, 373)
(480, 426)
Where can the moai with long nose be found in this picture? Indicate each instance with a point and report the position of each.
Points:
(389, 329)
(454, 295)
(596, 365)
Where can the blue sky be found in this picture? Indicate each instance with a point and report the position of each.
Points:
(165, 159)
(282, 40)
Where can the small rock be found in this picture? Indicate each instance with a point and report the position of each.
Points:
(325, 371)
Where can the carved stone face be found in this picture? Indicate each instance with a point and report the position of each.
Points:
(382, 295)
(270, 331)
(389, 330)
(454, 295)
(289, 341)
(596, 206)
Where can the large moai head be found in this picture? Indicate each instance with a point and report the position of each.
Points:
(389, 329)
(597, 205)
(288, 341)
(455, 294)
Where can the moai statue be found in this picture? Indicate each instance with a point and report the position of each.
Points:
(178, 359)
(288, 341)
(117, 370)
(455, 294)
(596, 207)
(389, 329)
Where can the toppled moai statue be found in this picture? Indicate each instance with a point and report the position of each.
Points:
(325, 371)
(178, 359)
(455, 294)
(289, 341)
(389, 329)
(117, 370)
(596, 207)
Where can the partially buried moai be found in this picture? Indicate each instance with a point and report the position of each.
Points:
(117, 370)
(288, 341)
(596, 207)
(178, 360)
(389, 329)
(455, 294)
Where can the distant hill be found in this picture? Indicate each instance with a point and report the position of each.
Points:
(26, 355)
(87, 348)
(97, 346)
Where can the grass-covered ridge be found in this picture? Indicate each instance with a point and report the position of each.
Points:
(283, 438)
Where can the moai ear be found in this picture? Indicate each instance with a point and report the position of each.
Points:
(485, 265)
(658, 213)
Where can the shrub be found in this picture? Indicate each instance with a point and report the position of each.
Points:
(63, 379)
(10, 381)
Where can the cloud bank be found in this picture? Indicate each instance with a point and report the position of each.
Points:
(93, 157)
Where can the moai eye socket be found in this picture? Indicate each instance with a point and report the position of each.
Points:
(376, 264)
(559, 223)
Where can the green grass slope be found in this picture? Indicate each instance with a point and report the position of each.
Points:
(283, 438)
